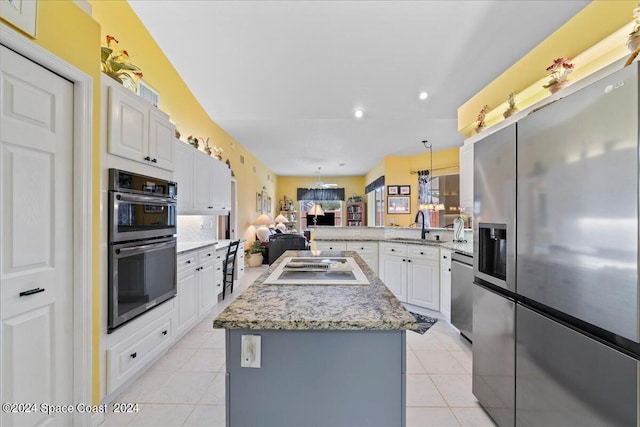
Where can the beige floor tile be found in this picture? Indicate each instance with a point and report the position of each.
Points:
(173, 360)
(119, 419)
(209, 416)
(423, 342)
(439, 362)
(422, 392)
(413, 364)
(206, 360)
(473, 417)
(452, 342)
(192, 339)
(465, 358)
(141, 389)
(162, 416)
(215, 339)
(215, 393)
(183, 387)
(456, 389)
(431, 417)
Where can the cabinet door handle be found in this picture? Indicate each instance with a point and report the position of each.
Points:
(449, 269)
(408, 260)
(210, 207)
(133, 355)
(164, 332)
(188, 261)
(362, 249)
(147, 158)
(31, 292)
(444, 256)
(154, 160)
(393, 250)
(404, 260)
(209, 254)
(421, 253)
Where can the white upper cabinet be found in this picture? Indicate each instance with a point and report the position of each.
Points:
(204, 183)
(139, 131)
(466, 177)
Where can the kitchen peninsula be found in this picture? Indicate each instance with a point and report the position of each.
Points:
(327, 354)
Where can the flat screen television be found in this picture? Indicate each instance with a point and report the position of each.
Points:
(329, 218)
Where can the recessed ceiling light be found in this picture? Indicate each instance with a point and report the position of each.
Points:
(423, 95)
(359, 113)
(341, 164)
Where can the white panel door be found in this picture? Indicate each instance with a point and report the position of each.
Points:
(423, 283)
(36, 251)
(208, 292)
(393, 272)
(128, 131)
(161, 140)
(184, 175)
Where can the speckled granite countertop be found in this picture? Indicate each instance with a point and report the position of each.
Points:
(183, 247)
(464, 247)
(321, 307)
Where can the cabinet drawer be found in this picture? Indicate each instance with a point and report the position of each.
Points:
(422, 252)
(187, 260)
(206, 254)
(445, 256)
(127, 358)
(331, 246)
(363, 247)
(393, 249)
(220, 254)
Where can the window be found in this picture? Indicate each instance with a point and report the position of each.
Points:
(375, 200)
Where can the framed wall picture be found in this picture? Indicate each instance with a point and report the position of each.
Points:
(398, 205)
(405, 190)
(392, 190)
(268, 204)
(21, 13)
(264, 201)
(258, 202)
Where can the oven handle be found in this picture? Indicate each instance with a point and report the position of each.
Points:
(141, 248)
(135, 198)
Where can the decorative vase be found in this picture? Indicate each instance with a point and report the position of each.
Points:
(633, 43)
(479, 129)
(558, 86)
(219, 157)
(509, 112)
(207, 150)
(255, 260)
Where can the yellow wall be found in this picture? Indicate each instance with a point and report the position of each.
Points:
(595, 22)
(397, 171)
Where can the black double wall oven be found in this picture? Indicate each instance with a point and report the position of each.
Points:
(142, 244)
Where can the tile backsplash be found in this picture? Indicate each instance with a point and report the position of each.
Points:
(197, 228)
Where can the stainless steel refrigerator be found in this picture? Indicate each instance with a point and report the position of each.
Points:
(556, 264)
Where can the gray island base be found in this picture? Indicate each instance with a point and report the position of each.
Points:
(330, 355)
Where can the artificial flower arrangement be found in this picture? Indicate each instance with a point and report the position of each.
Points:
(115, 63)
(193, 141)
(511, 102)
(558, 71)
(633, 41)
(481, 116)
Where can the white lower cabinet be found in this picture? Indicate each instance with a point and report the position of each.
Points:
(197, 287)
(368, 251)
(412, 273)
(129, 355)
(445, 283)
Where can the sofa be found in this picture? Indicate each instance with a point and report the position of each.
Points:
(280, 242)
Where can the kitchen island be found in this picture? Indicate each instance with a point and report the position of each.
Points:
(329, 355)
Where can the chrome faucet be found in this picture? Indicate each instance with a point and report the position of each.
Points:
(423, 234)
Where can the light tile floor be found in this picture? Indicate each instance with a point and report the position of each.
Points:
(186, 386)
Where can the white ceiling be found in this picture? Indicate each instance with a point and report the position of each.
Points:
(284, 77)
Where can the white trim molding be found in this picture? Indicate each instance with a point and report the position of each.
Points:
(82, 200)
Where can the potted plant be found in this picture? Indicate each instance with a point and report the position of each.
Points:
(511, 102)
(253, 254)
(115, 64)
(558, 71)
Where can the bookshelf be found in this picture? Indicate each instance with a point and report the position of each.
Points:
(356, 214)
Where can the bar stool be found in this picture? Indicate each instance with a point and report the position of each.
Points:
(229, 267)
